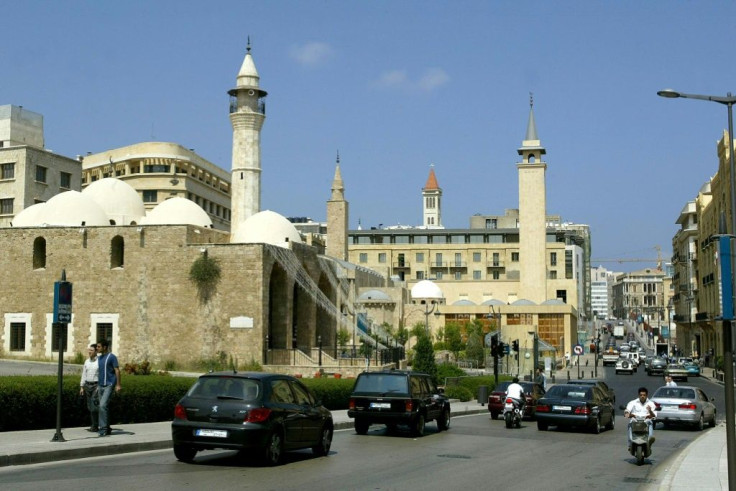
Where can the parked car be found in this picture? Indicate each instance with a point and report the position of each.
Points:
(252, 411)
(684, 405)
(677, 372)
(398, 397)
(575, 405)
(532, 392)
(624, 365)
(656, 366)
(602, 385)
(693, 369)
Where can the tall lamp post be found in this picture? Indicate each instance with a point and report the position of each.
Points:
(728, 101)
(428, 310)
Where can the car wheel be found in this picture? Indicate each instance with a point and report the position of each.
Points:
(184, 453)
(325, 442)
(612, 424)
(494, 415)
(597, 428)
(700, 424)
(712, 422)
(274, 449)
(443, 423)
(361, 427)
(542, 426)
(417, 428)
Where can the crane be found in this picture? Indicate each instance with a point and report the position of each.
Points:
(658, 260)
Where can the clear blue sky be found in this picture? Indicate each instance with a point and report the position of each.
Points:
(395, 86)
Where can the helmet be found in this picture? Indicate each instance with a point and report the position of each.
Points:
(515, 380)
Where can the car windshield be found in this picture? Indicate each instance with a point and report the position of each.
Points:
(674, 393)
(381, 382)
(580, 392)
(226, 388)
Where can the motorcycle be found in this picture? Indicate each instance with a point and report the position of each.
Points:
(512, 413)
(640, 447)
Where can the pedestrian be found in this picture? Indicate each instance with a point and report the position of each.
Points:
(567, 359)
(541, 379)
(669, 382)
(109, 380)
(88, 386)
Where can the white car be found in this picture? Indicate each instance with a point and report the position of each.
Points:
(625, 365)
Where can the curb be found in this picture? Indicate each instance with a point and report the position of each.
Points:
(78, 453)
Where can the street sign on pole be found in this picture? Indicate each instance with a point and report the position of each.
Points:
(62, 302)
(578, 349)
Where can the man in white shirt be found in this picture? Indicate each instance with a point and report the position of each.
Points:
(516, 392)
(88, 386)
(642, 407)
(669, 382)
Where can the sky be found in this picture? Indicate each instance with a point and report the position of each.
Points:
(396, 86)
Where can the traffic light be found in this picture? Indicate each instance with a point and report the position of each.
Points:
(500, 349)
(494, 345)
(515, 345)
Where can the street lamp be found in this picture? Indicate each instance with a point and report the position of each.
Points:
(428, 310)
(535, 349)
(728, 101)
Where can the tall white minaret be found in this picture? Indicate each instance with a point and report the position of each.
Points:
(532, 215)
(337, 218)
(432, 201)
(247, 112)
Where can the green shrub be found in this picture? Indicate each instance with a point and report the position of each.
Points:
(333, 392)
(459, 392)
(445, 370)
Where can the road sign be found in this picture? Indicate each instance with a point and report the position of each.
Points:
(578, 349)
(506, 349)
(62, 302)
(488, 339)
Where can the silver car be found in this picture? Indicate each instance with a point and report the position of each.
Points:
(684, 405)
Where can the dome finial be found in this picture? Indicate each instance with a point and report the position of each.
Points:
(248, 46)
(338, 157)
(531, 99)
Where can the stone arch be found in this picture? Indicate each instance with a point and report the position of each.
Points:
(326, 323)
(279, 302)
(117, 252)
(39, 253)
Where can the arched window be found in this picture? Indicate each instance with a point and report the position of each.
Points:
(531, 158)
(39, 253)
(117, 252)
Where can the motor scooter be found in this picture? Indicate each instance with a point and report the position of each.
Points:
(512, 413)
(640, 447)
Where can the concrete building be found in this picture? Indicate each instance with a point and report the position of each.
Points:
(601, 292)
(29, 173)
(643, 296)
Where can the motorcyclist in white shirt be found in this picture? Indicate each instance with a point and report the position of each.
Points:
(642, 407)
(516, 392)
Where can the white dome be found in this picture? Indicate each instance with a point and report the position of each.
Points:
(463, 302)
(72, 209)
(118, 199)
(523, 301)
(374, 295)
(266, 227)
(30, 217)
(426, 289)
(177, 211)
(493, 301)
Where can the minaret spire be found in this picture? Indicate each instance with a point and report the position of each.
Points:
(531, 128)
(338, 188)
(337, 217)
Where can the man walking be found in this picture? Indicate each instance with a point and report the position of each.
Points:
(109, 378)
(88, 386)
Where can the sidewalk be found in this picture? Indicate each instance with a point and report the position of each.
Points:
(34, 447)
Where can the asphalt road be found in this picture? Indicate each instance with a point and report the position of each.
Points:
(474, 453)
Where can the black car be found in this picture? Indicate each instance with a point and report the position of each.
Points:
(398, 397)
(575, 405)
(656, 366)
(250, 411)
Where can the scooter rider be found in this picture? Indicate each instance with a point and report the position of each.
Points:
(642, 407)
(516, 392)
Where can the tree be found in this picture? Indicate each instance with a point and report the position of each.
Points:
(424, 357)
(453, 338)
(343, 336)
(474, 348)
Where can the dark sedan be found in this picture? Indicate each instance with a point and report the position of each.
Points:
(532, 392)
(575, 405)
(251, 411)
(602, 385)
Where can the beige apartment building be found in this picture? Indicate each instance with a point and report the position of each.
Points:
(29, 173)
(159, 171)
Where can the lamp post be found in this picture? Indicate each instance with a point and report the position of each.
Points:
(428, 310)
(535, 350)
(728, 101)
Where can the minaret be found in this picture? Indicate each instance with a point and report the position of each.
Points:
(337, 218)
(532, 215)
(432, 201)
(247, 112)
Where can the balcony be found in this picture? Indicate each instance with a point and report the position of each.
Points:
(458, 265)
(495, 264)
(438, 265)
(401, 265)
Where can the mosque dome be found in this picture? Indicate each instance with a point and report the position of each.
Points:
(177, 211)
(30, 217)
(70, 209)
(463, 302)
(374, 296)
(266, 227)
(523, 301)
(553, 301)
(118, 199)
(426, 289)
(493, 301)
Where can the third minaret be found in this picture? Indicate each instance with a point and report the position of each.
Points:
(532, 216)
(247, 112)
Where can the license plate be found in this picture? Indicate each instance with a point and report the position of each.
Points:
(211, 433)
(380, 405)
(561, 408)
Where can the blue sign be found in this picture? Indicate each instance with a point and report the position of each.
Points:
(62, 302)
(506, 349)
